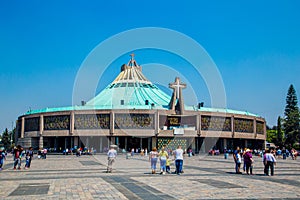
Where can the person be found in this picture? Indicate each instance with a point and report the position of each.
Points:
(248, 160)
(17, 156)
(29, 155)
(178, 156)
(269, 161)
(237, 159)
(142, 152)
(153, 159)
(146, 152)
(2, 157)
(163, 156)
(45, 153)
(283, 153)
(132, 152)
(111, 154)
(168, 165)
(294, 154)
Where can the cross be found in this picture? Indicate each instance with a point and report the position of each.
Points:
(177, 87)
(132, 56)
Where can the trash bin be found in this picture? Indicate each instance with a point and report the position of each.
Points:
(225, 155)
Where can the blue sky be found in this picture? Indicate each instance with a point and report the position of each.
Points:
(43, 44)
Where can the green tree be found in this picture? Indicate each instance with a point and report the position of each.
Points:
(271, 134)
(6, 139)
(291, 120)
(279, 133)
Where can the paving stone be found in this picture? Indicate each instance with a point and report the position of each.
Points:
(204, 177)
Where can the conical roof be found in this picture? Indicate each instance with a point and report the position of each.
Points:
(131, 90)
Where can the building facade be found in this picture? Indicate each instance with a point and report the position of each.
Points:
(131, 112)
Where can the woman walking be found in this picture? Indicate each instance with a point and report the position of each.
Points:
(163, 156)
(248, 160)
(153, 159)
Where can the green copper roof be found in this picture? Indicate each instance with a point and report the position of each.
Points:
(131, 89)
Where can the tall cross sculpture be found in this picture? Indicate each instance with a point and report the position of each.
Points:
(177, 87)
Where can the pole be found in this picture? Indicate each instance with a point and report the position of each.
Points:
(12, 128)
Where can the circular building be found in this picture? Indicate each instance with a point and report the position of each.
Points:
(132, 112)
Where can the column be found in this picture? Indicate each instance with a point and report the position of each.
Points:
(126, 143)
(156, 122)
(153, 142)
(72, 142)
(141, 143)
(66, 143)
(246, 143)
(41, 124)
(76, 141)
(87, 142)
(225, 143)
(72, 122)
(232, 125)
(198, 124)
(22, 127)
(41, 142)
(254, 128)
(112, 123)
(149, 145)
(101, 147)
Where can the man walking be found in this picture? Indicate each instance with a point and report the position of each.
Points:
(237, 159)
(269, 161)
(178, 154)
(112, 153)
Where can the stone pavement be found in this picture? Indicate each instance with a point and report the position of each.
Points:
(205, 177)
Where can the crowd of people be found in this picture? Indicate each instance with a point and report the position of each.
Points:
(268, 158)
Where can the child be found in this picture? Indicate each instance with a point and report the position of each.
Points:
(168, 164)
(2, 157)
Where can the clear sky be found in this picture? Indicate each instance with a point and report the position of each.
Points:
(255, 45)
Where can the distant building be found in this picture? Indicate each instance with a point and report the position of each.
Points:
(132, 112)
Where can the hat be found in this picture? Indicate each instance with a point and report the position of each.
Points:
(247, 150)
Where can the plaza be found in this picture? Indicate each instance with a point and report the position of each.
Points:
(204, 177)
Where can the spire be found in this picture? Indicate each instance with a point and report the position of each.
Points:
(132, 62)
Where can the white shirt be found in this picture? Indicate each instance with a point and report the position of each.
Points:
(178, 153)
(112, 153)
(270, 157)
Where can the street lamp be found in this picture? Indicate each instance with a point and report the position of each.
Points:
(12, 128)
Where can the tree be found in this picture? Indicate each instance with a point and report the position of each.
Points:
(279, 132)
(6, 139)
(292, 118)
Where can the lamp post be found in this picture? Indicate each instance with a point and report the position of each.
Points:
(12, 128)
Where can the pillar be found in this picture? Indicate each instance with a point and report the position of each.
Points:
(112, 123)
(154, 142)
(156, 123)
(225, 143)
(149, 145)
(254, 128)
(72, 123)
(76, 141)
(101, 147)
(232, 125)
(23, 127)
(87, 141)
(126, 144)
(41, 124)
(72, 142)
(41, 142)
(198, 124)
(141, 143)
